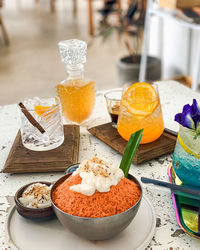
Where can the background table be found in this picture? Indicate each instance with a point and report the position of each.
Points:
(154, 10)
(168, 235)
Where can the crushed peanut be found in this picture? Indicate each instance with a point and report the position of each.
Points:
(36, 196)
(97, 175)
(96, 165)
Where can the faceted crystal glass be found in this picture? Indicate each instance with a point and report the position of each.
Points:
(47, 112)
(77, 95)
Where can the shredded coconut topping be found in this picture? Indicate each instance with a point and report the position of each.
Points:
(97, 175)
(36, 196)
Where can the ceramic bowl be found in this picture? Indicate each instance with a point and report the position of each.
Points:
(38, 214)
(96, 228)
(72, 168)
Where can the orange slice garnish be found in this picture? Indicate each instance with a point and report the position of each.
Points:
(39, 109)
(140, 99)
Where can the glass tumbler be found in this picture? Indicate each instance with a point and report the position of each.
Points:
(48, 114)
(186, 157)
(141, 113)
(113, 98)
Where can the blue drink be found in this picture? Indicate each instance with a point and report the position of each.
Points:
(186, 157)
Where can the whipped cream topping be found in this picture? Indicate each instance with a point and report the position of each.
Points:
(36, 195)
(97, 175)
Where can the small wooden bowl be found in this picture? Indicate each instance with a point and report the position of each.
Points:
(37, 214)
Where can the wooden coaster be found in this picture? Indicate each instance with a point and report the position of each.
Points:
(109, 135)
(23, 160)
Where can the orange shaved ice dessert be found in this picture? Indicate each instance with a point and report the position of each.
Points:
(120, 197)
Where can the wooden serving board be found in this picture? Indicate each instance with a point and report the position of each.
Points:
(109, 135)
(23, 160)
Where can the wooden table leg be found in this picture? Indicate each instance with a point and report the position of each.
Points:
(5, 34)
(75, 7)
(53, 8)
(91, 25)
(119, 4)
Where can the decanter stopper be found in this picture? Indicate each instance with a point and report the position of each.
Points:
(73, 52)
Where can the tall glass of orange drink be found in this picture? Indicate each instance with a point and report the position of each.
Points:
(140, 108)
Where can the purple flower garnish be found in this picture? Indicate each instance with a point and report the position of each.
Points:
(190, 116)
(195, 113)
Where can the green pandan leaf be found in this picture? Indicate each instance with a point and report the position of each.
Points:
(130, 150)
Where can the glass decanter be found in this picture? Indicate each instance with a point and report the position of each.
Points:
(76, 94)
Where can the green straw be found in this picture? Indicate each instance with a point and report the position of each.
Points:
(130, 150)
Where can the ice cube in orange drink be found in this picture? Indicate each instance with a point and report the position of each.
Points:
(140, 108)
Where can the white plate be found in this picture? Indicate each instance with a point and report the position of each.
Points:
(50, 235)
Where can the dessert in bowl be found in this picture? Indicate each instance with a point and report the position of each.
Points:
(96, 201)
(33, 201)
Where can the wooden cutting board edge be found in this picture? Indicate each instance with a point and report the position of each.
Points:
(168, 149)
(76, 144)
(16, 167)
(138, 157)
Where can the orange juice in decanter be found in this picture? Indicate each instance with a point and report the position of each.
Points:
(76, 94)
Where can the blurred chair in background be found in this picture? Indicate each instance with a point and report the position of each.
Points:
(52, 5)
(108, 6)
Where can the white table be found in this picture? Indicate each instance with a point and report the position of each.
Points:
(168, 235)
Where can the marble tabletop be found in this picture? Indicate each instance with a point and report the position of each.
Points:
(167, 235)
